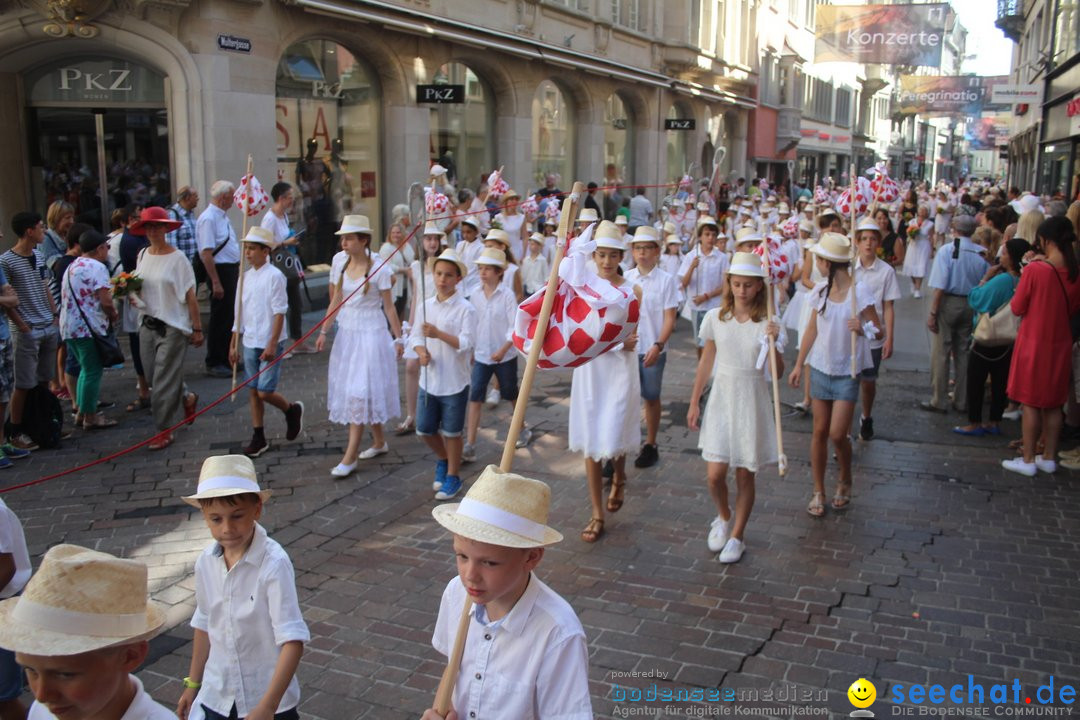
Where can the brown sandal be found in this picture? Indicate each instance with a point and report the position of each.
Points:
(593, 530)
(615, 497)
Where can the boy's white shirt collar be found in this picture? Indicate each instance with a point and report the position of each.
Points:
(517, 619)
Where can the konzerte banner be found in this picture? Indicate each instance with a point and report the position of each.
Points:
(888, 34)
(946, 94)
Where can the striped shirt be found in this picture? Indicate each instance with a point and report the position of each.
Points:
(29, 277)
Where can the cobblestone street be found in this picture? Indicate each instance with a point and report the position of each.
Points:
(944, 565)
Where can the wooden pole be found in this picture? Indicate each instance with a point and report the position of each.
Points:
(851, 272)
(444, 695)
(782, 458)
(240, 286)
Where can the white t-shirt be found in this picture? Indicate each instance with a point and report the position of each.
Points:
(13, 541)
(166, 280)
(277, 225)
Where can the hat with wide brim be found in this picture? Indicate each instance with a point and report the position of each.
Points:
(224, 475)
(498, 235)
(867, 223)
(609, 235)
(260, 236)
(587, 215)
(450, 255)
(431, 228)
(746, 264)
(156, 216)
(673, 240)
(833, 247)
(502, 509)
(621, 220)
(354, 224)
(492, 256)
(80, 600)
(707, 221)
(747, 234)
(645, 234)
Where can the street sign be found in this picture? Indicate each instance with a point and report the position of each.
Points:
(440, 94)
(233, 43)
(680, 124)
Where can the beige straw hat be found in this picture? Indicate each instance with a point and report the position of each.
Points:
(867, 223)
(450, 255)
(354, 224)
(491, 256)
(707, 221)
(674, 240)
(747, 234)
(608, 235)
(261, 236)
(588, 215)
(646, 234)
(621, 220)
(833, 246)
(746, 264)
(502, 509)
(223, 475)
(538, 238)
(498, 235)
(431, 228)
(80, 600)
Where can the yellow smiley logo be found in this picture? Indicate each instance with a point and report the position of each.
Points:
(862, 693)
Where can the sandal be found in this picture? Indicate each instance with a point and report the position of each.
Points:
(615, 497)
(842, 498)
(161, 443)
(139, 403)
(97, 422)
(191, 403)
(593, 530)
(816, 508)
(407, 426)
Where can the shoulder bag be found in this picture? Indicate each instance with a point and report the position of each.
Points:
(108, 346)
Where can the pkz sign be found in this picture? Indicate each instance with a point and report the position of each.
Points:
(440, 94)
(233, 43)
(96, 82)
(680, 124)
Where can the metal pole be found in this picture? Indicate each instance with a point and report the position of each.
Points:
(99, 130)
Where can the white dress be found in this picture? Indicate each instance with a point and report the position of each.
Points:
(737, 427)
(512, 225)
(362, 385)
(605, 406)
(917, 258)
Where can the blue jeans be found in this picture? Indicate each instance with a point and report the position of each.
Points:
(444, 414)
(651, 377)
(506, 372)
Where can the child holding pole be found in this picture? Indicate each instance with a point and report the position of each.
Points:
(737, 428)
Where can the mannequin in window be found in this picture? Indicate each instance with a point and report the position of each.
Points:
(313, 179)
(340, 180)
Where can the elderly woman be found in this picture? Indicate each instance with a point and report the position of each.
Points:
(170, 321)
(1048, 294)
(58, 219)
(920, 245)
(86, 310)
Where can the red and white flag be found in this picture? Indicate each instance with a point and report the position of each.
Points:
(250, 196)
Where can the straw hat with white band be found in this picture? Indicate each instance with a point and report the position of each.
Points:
(538, 238)
(502, 509)
(80, 600)
(673, 240)
(827, 212)
(746, 264)
(354, 224)
(260, 236)
(707, 221)
(498, 235)
(608, 235)
(806, 226)
(511, 193)
(450, 255)
(833, 247)
(621, 220)
(646, 234)
(471, 222)
(431, 228)
(867, 223)
(587, 215)
(223, 475)
(747, 235)
(491, 256)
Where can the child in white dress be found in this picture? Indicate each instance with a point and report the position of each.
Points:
(362, 384)
(605, 398)
(738, 423)
(826, 348)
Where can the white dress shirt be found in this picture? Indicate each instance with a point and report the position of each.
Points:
(494, 323)
(880, 278)
(249, 612)
(468, 252)
(264, 297)
(142, 707)
(708, 277)
(448, 373)
(658, 294)
(531, 664)
(211, 228)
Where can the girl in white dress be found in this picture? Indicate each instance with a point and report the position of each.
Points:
(362, 386)
(919, 248)
(826, 348)
(738, 424)
(431, 246)
(605, 398)
(513, 223)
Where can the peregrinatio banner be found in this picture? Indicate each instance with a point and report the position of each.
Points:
(887, 34)
(946, 94)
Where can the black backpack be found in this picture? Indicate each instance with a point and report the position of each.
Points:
(43, 418)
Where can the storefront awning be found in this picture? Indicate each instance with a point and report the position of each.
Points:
(424, 24)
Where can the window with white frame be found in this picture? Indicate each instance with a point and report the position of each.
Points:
(843, 107)
(627, 13)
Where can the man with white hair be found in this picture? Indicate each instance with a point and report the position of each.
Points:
(219, 253)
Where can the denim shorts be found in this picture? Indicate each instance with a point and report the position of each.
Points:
(11, 676)
(443, 414)
(268, 381)
(651, 377)
(71, 362)
(7, 370)
(870, 374)
(833, 387)
(35, 356)
(506, 372)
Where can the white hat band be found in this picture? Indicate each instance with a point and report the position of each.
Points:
(73, 622)
(501, 519)
(228, 481)
(745, 268)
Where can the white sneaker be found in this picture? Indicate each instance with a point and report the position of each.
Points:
(916, 294)
(718, 533)
(1047, 466)
(1011, 414)
(374, 452)
(732, 551)
(468, 454)
(341, 470)
(493, 397)
(524, 438)
(1017, 465)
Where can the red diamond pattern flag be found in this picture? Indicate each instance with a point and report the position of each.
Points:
(250, 196)
(773, 258)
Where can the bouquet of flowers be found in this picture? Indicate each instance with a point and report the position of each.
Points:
(125, 284)
(912, 232)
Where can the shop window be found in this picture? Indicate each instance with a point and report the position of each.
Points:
(619, 139)
(463, 134)
(678, 159)
(552, 134)
(328, 141)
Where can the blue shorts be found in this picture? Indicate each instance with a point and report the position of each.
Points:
(505, 371)
(651, 377)
(870, 374)
(268, 381)
(11, 676)
(7, 369)
(443, 414)
(71, 363)
(833, 387)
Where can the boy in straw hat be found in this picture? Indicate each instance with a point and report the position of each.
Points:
(79, 629)
(260, 318)
(244, 588)
(443, 339)
(525, 653)
(703, 274)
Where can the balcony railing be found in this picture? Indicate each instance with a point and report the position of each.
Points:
(1010, 18)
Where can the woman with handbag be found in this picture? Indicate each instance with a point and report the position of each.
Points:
(992, 346)
(86, 309)
(170, 321)
(1045, 299)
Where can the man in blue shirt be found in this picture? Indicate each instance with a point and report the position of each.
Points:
(958, 267)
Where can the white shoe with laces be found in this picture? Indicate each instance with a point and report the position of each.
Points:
(1047, 466)
(732, 551)
(1017, 465)
(719, 531)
